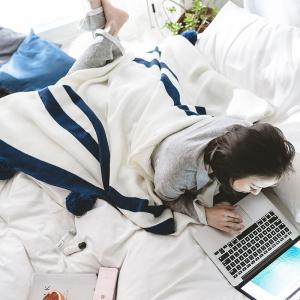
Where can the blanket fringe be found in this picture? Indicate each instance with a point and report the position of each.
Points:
(78, 204)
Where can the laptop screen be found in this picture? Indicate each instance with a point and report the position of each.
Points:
(280, 280)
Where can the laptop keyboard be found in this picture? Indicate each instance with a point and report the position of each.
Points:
(252, 244)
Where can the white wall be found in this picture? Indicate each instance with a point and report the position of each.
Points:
(41, 15)
(218, 3)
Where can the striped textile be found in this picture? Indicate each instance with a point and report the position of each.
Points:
(93, 132)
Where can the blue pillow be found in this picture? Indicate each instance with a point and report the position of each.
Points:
(36, 64)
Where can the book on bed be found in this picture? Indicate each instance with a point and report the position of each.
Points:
(75, 286)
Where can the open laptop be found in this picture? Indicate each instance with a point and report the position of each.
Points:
(263, 261)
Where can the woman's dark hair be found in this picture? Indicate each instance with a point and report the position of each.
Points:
(258, 150)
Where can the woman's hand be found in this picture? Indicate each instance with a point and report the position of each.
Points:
(224, 217)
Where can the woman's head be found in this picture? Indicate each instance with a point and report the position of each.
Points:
(247, 159)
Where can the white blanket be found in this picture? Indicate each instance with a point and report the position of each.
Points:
(102, 149)
(56, 137)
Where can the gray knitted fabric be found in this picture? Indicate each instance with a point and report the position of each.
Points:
(105, 48)
(93, 22)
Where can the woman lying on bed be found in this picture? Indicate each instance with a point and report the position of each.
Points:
(198, 168)
(201, 170)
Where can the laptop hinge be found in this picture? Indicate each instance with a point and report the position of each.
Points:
(269, 259)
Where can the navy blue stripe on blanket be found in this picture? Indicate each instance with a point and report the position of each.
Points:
(116, 199)
(141, 205)
(58, 114)
(164, 228)
(154, 62)
(200, 110)
(56, 176)
(156, 49)
(170, 87)
(47, 172)
(112, 196)
(134, 204)
(171, 90)
(104, 154)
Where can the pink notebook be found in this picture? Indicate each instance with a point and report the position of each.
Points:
(106, 284)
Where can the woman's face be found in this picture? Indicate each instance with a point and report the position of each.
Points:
(253, 184)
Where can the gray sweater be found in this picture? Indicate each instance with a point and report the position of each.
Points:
(180, 177)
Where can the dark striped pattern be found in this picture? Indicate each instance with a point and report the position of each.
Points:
(169, 86)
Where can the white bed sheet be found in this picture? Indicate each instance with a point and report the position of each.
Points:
(152, 267)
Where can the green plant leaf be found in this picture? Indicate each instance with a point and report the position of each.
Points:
(174, 27)
(172, 9)
(196, 5)
(197, 15)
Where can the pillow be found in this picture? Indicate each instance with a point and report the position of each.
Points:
(10, 41)
(36, 64)
(283, 12)
(257, 55)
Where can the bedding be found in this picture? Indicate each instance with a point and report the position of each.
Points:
(262, 57)
(35, 64)
(10, 41)
(33, 215)
(92, 157)
(258, 55)
(151, 266)
(280, 12)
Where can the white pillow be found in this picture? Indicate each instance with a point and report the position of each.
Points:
(278, 11)
(257, 55)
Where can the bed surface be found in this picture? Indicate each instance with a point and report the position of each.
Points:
(152, 266)
(33, 218)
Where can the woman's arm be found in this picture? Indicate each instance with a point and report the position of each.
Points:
(172, 178)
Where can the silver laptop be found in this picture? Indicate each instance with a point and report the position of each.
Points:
(263, 261)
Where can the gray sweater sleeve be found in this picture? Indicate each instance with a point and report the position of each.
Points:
(174, 180)
(179, 168)
(93, 20)
(105, 48)
(172, 177)
(188, 204)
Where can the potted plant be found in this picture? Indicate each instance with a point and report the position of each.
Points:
(198, 17)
